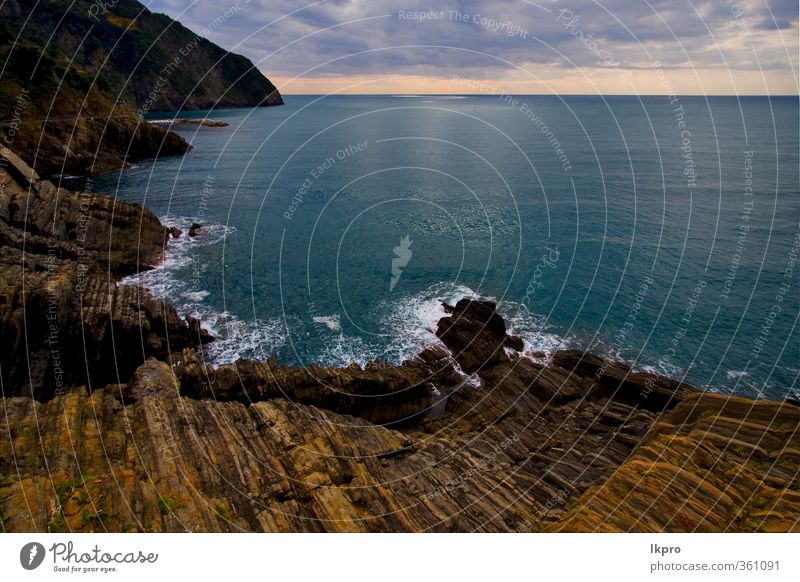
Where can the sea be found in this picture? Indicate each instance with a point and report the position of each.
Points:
(659, 230)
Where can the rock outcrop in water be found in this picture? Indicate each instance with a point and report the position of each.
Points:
(142, 435)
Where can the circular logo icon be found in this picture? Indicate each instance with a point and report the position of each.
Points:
(31, 555)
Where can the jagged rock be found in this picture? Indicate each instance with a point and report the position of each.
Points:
(62, 328)
(93, 229)
(179, 464)
(650, 391)
(63, 323)
(528, 448)
(115, 423)
(389, 395)
(476, 335)
(198, 334)
(548, 384)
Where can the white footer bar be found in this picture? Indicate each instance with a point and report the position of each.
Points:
(400, 557)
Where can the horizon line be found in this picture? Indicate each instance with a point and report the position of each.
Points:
(544, 94)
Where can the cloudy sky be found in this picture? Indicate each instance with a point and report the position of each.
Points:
(516, 46)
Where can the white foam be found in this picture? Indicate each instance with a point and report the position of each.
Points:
(238, 339)
(411, 322)
(408, 323)
(532, 328)
(736, 374)
(167, 281)
(332, 322)
(196, 295)
(664, 369)
(409, 326)
(343, 350)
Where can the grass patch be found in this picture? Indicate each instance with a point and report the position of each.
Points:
(224, 511)
(76, 490)
(166, 504)
(121, 21)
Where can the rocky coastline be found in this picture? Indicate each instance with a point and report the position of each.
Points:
(112, 421)
(186, 121)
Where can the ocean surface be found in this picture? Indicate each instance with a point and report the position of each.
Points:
(661, 233)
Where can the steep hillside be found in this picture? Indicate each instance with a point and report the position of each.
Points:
(90, 71)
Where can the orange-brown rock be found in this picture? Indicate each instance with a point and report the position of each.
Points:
(715, 463)
(137, 457)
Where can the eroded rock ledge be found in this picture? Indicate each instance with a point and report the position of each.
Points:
(64, 320)
(468, 436)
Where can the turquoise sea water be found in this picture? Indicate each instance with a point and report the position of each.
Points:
(665, 234)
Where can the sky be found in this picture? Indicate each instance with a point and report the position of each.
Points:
(745, 47)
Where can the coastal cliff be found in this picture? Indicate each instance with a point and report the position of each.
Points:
(78, 75)
(112, 421)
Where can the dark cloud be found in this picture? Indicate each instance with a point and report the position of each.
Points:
(774, 25)
(781, 10)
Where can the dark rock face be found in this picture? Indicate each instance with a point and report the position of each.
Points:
(86, 138)
(616, 379)
(393, 395)
(83, 227)
(476, 335)
(61, 254)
